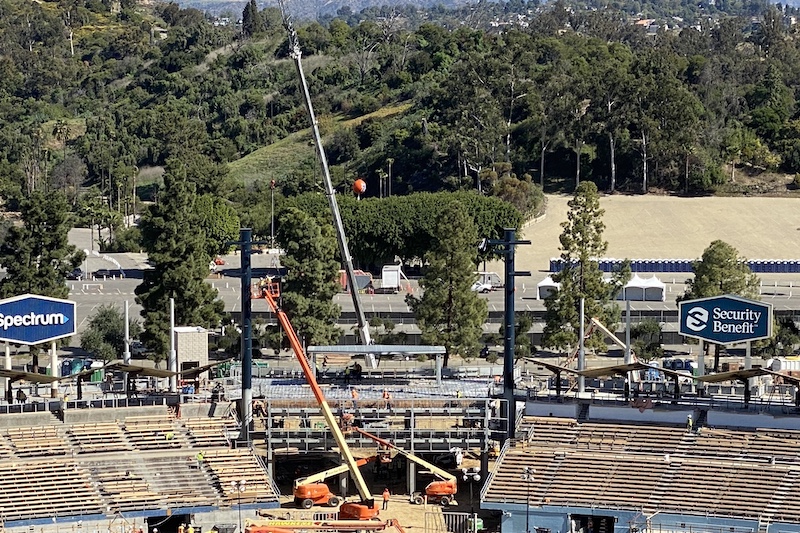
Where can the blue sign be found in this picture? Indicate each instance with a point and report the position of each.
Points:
(725, 319)
(33, 319)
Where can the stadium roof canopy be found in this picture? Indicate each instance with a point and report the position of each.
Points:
(19, 375)
(194, 372)
(734, 375)
(141, 370)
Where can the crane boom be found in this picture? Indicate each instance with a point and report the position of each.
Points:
(344, 249)
(271, 293)
(435, 470)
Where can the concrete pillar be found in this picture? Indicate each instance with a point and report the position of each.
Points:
(55, 371)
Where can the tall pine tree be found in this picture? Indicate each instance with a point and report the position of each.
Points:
(251, 19)
(449, 313)
(177, 245)
(37, 255)
(582, 245)
(311, 280)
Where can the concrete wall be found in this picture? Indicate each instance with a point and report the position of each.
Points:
(205, 520)
(638, 415)
(196, 410)
(557, 520)
(753, 420)
(191, 346)
(561, 410)
(17, 420)
(81, 416)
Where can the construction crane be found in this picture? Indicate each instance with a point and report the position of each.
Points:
(311, 490)
(292, 526)
(442, 490)
(344, 249)
(367, 508)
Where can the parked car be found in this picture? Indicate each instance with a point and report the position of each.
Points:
(481, 287)
(76, 274)
(219, 261)
(138, 349)
(103, 273)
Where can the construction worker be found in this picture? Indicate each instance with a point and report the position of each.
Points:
(354, 396)
(689, 422)
(386, 498)
(387, 399)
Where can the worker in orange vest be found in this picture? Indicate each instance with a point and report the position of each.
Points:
(385, 498)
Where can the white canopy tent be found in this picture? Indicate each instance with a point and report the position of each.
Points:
(546, 287)
(644, 290)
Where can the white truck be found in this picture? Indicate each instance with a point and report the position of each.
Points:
(490, 278)
(391, 278)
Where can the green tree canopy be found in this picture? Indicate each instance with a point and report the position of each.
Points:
(311, 280)
(105, 335)
(36, 255)
(721, 270)
(449, 313)
(173, 237)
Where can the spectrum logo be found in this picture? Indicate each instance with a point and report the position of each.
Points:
(32, 319)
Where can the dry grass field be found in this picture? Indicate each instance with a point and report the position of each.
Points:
(667, 227)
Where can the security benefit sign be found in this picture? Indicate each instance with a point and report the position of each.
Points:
(32, 319)
(725, 319)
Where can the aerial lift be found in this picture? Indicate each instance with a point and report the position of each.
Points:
(292, 526)
(367, 508)
(442, 490)
(311, 490)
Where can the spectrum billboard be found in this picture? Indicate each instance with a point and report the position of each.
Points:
(725, 319)
(33, 319)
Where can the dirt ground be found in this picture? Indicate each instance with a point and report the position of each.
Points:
(412, 517)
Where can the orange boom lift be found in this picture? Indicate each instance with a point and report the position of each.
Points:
(367, 508)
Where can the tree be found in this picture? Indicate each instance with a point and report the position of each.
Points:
(582, 245)
(311, 279)
(719, 271)
(36, 255)
(251, 19)
(646, 337)
(449, 313)
(105, 335)
(177, 245)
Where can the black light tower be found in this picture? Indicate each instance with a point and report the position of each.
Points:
(245, 244)
(506, 248)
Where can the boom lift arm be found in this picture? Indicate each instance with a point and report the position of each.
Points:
(367, 509)
(335, 471)
(435, 470)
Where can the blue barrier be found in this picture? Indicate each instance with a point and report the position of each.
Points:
(757, 266)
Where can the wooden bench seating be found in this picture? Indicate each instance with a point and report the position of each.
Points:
(43, 441)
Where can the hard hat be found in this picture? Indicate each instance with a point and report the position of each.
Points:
(688, 416)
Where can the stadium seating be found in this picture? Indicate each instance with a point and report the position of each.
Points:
(726, 472)
(95, 468)
(41, 441)
(100, 437)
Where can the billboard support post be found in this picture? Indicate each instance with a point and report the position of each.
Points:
(748, 362)
(701, 364)
(9, 396)
(54, 370)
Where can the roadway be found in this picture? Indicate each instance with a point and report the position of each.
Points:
(781, 290)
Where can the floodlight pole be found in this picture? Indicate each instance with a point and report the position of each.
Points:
(506, 248)
(245, 244)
